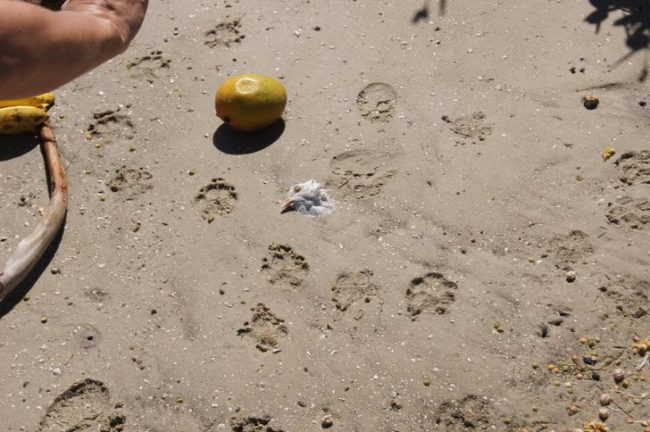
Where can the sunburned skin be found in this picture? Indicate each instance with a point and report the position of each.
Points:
(42, 49)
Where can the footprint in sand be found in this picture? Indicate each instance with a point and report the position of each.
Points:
(147, 66)
(634, 213)
(469, 413)
(224, 34)
(131, 182)
(471, 126)
(253, 423)
(155, 411)
(285, 267)
(352, 287)
(386, 225)
(83, 407)
(572, 248)
(431, 293)
(361, 173)
(376, 102)
(111, 125)
(628, 295)
(635, 167)
(216, 199)
(266, 328)
(97, 295)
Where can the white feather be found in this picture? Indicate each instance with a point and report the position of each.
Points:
(310, 199)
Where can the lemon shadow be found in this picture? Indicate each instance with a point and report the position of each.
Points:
(230, 141)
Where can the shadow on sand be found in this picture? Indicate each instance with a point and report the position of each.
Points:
(423, 13)
(12, 146)
(634, 17)
(230, 141)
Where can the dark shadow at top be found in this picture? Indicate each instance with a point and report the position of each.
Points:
(12, 146)
(230, 141)
(423, 14)
(634, 17)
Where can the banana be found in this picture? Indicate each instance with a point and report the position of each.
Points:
(21, 119)
(44, 101)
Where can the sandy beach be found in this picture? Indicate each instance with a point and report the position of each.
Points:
(486, 267)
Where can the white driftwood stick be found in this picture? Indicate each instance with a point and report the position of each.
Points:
(32, 247)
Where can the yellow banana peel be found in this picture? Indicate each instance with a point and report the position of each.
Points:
(44, 101)
(21, 119)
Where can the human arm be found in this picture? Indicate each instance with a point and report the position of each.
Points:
(42, 49)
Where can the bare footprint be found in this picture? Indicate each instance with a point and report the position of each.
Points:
(361, 173)
(155, 411)
(352, 287)
(376, 102)
(148, 65)
(252, 423)
(432, 293)
(285, 267)
(634, 213)
(471, 126)
(131, 182)
(635, 167)
(469, 413)
(627, 295)
(216, 199)
(111, 124)
(83, 407)
(571, 248)
(224, 34)
(97, 295)
(266, 328)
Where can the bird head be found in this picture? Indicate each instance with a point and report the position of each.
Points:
(308, 199)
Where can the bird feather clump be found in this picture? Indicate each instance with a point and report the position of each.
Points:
(308, 199)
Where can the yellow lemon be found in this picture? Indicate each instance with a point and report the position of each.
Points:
(250, 102)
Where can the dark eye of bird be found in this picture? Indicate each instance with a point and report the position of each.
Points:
(296, 188)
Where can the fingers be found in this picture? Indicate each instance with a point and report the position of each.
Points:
(126, 15)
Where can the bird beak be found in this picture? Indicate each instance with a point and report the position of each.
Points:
(287, 206)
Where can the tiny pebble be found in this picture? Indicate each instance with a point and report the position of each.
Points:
(590, 102)
(618, 375)
(327, 421)
(605, 399)
(570, 276)
(603, 414)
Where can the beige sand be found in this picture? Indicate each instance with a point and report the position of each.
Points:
(468, 182)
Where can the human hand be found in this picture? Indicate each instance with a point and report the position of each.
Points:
(125, 15)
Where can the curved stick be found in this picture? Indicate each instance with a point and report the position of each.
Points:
(32, 247)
